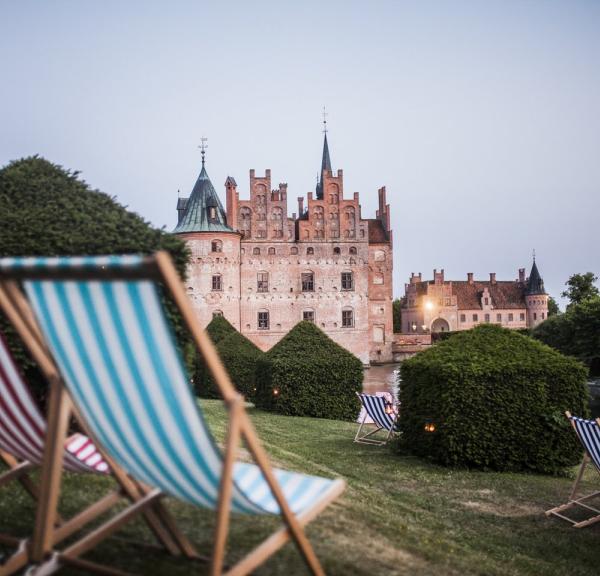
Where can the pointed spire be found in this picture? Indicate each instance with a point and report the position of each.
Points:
(535, 283)
(326, 160)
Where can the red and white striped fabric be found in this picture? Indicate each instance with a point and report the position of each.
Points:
(23, 428)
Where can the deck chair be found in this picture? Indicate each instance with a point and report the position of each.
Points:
(22, 437)
(105, 325)
(588, 432)
(383, 415)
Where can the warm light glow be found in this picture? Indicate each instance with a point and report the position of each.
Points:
(275, 392)
(428, 305)
(389, 409)
(429, 427)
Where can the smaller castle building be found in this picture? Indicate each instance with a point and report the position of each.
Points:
(441, 305)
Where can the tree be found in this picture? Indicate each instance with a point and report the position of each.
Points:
(46, 210)
(581, 287)
(553, 308)
(397, 314)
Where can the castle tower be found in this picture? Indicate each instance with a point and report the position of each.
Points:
(213, 281)
(536, 299)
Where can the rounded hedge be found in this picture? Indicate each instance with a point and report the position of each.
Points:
(237, 353)
(307, 374)
(46, 210)
(495, 399)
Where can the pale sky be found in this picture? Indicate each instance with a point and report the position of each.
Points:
(482, 119)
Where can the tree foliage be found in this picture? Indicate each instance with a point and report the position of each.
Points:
(576, 332)
(307, 374)
(553, 308)
(397, 314)
(46, 210)
(496, 399)
(580, 287)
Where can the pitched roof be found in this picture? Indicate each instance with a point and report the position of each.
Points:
(504, 294)
(535, 284)
(325, 165)
(197, 209)
(377, 233)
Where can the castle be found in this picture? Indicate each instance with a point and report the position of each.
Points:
(440, 305)
(264, 271)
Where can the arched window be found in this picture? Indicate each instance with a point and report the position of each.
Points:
(256, 251)
(318, 213)
(352, 249)
(337, 251)
(216, 246)
(277, 214)
(310, 251)
(217, 313)
(271, 251)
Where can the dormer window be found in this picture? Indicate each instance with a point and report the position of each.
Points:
(212, 213)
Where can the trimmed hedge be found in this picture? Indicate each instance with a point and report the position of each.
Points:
(46, 210)
(239, 356)
(497, 400)
(307, 374)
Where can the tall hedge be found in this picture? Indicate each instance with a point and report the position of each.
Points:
(496, 399)
(237, 353)
(308, 374)
(46, 210)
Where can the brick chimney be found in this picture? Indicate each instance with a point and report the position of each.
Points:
(492, 277)
(470, 277)
(300, 206)
(232, 200)
(522, 275)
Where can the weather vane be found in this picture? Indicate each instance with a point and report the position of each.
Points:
(203, 146)
(534, 254)
(325, 114)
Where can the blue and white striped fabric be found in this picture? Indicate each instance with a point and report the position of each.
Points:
(117, 355)
(376, 409)
(589, 434)
(65, 262)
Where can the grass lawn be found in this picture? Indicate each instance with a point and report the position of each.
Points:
(399, 515)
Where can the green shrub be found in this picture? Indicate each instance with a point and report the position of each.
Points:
(497, 400)
(308, 374)
(239, 356)
(46, 210)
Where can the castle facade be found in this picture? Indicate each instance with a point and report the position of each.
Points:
(441, 305)
(264, 271)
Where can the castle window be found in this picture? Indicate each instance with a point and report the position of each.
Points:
(463, 317)
(486, 301)
(337, 250)
(308, 282)
(535, 315)
(277, 214)
(319, 234)
(498, 317)
(256, 251)
(310, 251)
(263, 320)
(475, 318)
(379, 256)
(352, 249)
(335, 234)
(378, 278)
(308, 315)
(510, 317)
(272, 251)
(277, 233)
(216, 246)
(522, 317)
(217, 313)
(212, 213)
(293, 250)
(318, 213)
(262, 282)
(487, 317)
(261, 233)
(217, 284)
(347, 318)
(543, 316)
(347, 281)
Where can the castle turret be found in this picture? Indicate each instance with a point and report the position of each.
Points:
(536, 298)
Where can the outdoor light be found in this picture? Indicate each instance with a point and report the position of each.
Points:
(429, 427)
(275, 392)
(429, 305)
(389, 408)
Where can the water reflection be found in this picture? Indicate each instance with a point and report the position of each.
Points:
(381, 379)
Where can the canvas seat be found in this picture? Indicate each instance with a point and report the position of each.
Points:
(384, 416)
(588, 432)
(104, 322)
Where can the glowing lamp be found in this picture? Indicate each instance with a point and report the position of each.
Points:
(389, 408)
(275, 392)
(429, 427)
(428, 305)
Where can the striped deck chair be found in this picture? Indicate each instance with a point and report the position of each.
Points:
(383, 414)
(104, 322)
(588, 432)
(22, 438)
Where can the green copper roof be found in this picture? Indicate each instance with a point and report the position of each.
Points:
(325, 165)
(202, 202)
(535, 284)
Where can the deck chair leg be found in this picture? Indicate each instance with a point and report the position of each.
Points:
(52, 463)
(360, 427)
(226, 487)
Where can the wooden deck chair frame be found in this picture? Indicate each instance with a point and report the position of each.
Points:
(160, 268)
(581, 501)
(367, 438)
(50, 529)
